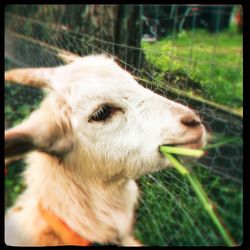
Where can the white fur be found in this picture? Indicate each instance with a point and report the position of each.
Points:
(93, 189)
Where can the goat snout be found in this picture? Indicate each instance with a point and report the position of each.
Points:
(188, 131)
(194, 130)
(191, 121)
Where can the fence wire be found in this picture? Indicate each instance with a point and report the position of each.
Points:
(169, 212)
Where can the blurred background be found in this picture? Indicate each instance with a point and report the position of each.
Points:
(191, 54)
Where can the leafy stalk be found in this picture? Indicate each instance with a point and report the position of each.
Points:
(182, 151)
(197, 187)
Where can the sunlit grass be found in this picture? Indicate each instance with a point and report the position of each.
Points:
(212, 61)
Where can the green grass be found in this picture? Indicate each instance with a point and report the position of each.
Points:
(170, 213)
(209, 65)
(13, 183)
(208, 205)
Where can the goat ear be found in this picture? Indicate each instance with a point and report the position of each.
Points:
(35, 77)
(17, 142)
(38, 77)
(40, 133)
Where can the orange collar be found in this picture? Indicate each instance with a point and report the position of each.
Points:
(63, 231)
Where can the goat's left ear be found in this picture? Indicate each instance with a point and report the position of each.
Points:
(44, 131)
(17, 142)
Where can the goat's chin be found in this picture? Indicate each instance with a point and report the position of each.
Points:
(163, 163)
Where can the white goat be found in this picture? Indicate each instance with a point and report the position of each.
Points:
(95, 133)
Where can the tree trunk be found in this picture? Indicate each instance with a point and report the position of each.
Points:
(129, 33)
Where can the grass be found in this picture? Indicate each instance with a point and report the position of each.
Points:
(170, 213)
(13, 183)
(207, 204)
(204, 64)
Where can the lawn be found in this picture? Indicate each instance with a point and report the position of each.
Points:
(201, 63)
(170, 213)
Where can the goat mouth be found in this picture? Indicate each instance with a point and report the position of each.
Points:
(191, 144)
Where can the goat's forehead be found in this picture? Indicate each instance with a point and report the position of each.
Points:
(98, 92)
(92, 69)
(95, 77)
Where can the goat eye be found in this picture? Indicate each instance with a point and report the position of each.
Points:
(103, 113)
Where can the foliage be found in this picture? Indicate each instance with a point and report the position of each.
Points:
(13, 183)
(212, 61)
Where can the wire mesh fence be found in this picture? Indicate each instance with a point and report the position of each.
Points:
(174, 56)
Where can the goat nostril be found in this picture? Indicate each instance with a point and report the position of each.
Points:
(190, 121)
